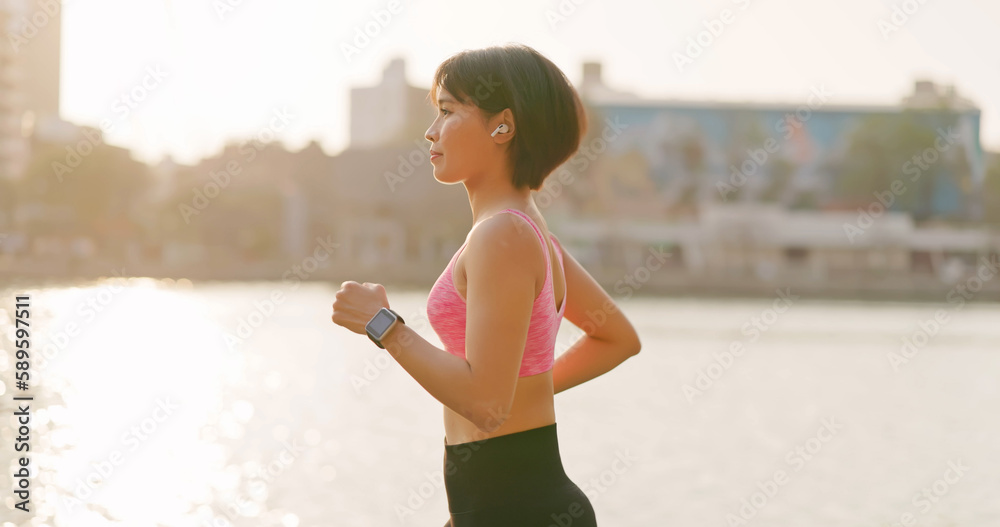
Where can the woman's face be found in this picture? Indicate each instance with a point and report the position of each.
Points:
(461, 146)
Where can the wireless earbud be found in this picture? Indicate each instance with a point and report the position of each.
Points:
(502, 129)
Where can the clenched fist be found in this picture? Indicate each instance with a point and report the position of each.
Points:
(355, 304)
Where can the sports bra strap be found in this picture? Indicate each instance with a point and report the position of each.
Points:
(538, 232)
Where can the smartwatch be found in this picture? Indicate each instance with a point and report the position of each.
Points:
(381, 323)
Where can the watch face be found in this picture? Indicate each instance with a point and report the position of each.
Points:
(381, 322)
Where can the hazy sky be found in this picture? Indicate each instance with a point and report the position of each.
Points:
(226, 66)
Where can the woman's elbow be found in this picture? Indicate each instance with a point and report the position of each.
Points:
(634, 345)
(625, 343)
(627, 339)
(630, 342)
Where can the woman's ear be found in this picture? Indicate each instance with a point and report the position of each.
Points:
(503, 126)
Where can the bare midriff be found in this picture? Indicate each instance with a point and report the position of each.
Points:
(533, 407)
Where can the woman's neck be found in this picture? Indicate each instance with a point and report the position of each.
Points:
(486, 202)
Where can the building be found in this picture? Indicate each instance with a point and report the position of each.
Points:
(41, 64)
(593, 89)
(754, 243)
(382, 203)
(665, 158)
(13, 98)
(29, 88)
(390, 114)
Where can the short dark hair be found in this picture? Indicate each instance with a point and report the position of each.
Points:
(549, 117)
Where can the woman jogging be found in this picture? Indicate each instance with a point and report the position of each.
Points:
(507, 117)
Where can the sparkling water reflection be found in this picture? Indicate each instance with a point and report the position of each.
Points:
(215, 404)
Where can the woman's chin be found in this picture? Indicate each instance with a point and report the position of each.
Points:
(442, 177)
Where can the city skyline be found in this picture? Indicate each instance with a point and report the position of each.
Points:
(224, 68)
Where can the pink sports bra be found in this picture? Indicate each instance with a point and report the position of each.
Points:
(446, 313)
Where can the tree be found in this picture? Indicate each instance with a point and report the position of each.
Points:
(747, 134)
(96, 188)
(782, 171)
(888, 148)
(991, 191)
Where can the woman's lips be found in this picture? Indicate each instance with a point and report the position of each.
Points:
(435, 155)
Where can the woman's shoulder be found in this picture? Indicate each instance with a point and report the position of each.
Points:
(503, 234)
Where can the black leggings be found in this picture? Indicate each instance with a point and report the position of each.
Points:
(513, 480)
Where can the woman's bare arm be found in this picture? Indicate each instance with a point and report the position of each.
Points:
(500, 295)
(608, 339)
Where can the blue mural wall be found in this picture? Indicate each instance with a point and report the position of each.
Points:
(708, 147)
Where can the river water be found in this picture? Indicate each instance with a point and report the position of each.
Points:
(171, 403)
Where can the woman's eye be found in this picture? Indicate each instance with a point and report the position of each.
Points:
(444, 112)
